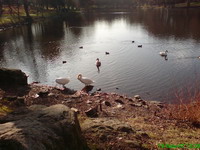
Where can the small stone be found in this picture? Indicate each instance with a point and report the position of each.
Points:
(64, 62)
(136, 105)
(92, 112)
(145, 135)
(92, 94)
(119, 138)
(51, 94)
(119, 106)
(75, 96)
(99, 89)
(130, 100)
(20, 99)
(160, 106)
(10, 98)
(89, 102)
(35, 82)
(113, 93)
(97, 95)
(133, 144)
(142, 102)
(75, 110)
(137, 97)
(107, 103)
(103, 137)
(35, 96)
(119, 101)
(125, 129)
(43, 94)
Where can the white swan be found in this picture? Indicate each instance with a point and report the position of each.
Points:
(163, 53)
(84, 80)
(62, 81)
(98, 63)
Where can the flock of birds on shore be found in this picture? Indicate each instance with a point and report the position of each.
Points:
(64, 80)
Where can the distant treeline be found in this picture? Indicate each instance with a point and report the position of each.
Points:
(14, 6)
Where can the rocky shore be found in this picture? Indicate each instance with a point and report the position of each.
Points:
(42, 117)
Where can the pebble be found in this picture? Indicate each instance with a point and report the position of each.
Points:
(89, 102)
(107, 103)
(137, 97)
(75, 110)
(99, 89)
(119, 101)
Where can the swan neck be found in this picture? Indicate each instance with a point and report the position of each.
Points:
(79, 76)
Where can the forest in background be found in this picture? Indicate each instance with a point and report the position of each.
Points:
(15, 11)
(13, 6)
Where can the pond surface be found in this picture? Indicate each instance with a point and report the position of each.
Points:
(40, 49)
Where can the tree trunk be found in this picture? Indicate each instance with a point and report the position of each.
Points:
(18, 9)
(188, 3)
(1, 7)
(26, 8)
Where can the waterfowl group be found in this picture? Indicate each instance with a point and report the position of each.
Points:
(84, 80)
(87, 81)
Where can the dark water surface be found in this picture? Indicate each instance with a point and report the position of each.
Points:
(39, 50)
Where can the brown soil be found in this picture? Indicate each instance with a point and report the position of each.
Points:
(149, 121)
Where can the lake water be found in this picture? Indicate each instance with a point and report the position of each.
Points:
(39, 50)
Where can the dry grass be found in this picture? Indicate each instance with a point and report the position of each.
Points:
(187, 106)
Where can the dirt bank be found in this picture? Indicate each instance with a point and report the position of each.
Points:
(108, 120)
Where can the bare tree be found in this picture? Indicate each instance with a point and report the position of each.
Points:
(26, 8)
(188, 3)
(1, 7)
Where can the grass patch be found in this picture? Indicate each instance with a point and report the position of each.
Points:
(4, 109)
(187, 107)
(193, 4)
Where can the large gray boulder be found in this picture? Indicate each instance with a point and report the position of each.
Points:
(42, 128)
(12, 77)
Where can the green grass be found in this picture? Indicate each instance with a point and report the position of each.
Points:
(4, 109)
(194, 4)
(8, 19)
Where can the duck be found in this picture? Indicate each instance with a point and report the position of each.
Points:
(164, 53)
(107, 53)
(62, 81)
(84, 80)
(81, 47)
(98, 63)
